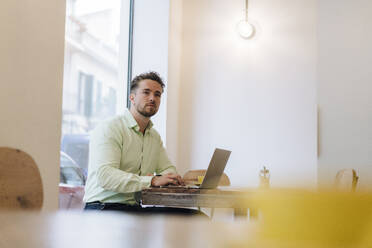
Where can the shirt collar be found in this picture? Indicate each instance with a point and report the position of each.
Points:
(132, 123)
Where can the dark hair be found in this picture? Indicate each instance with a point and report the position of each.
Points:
(143, 76)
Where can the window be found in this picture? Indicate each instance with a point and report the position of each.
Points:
(96, 68)
(94, 85)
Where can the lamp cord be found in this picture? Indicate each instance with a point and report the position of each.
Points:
(246, 10)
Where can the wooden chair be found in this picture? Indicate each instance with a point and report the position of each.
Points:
(191, 177)
(346, 180)
(20, 181)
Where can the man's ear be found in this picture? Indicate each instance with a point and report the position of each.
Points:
(131, 97)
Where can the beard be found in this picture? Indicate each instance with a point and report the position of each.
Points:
(147, 113)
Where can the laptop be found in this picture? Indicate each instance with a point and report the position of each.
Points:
(214, 172)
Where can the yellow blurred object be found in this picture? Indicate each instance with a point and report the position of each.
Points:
(367, 236)
(300, 218)
(200, 179)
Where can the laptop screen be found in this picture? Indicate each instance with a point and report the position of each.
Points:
(215, 169)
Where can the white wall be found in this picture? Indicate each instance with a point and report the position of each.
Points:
(31, 69)
(174, 77)
(345, 89)
(256, 98)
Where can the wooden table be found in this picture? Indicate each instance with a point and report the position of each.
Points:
(114, 230)
(223, 197)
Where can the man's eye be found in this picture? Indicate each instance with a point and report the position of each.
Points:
(158, 95)
(146, 92)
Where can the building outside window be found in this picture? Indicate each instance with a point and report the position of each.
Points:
(92, 75)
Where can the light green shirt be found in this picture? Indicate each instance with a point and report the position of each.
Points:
(121, 157)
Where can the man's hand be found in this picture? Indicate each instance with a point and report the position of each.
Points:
(170, 178)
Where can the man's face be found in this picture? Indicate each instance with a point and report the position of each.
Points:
(146, 98)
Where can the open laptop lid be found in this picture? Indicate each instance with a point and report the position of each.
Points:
(215, 169)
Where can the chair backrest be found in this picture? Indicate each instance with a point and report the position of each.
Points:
(20, 182)
(191, 177)
(346, 180)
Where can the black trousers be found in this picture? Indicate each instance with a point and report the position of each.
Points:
(136, 209)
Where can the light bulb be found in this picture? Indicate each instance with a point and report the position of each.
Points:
(245, 29)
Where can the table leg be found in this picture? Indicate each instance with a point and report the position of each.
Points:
(253, 214)
(240, 212)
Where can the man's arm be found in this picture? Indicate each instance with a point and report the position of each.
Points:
(167, 170)
(164, 164)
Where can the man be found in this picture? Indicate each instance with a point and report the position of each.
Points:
(126, 151)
